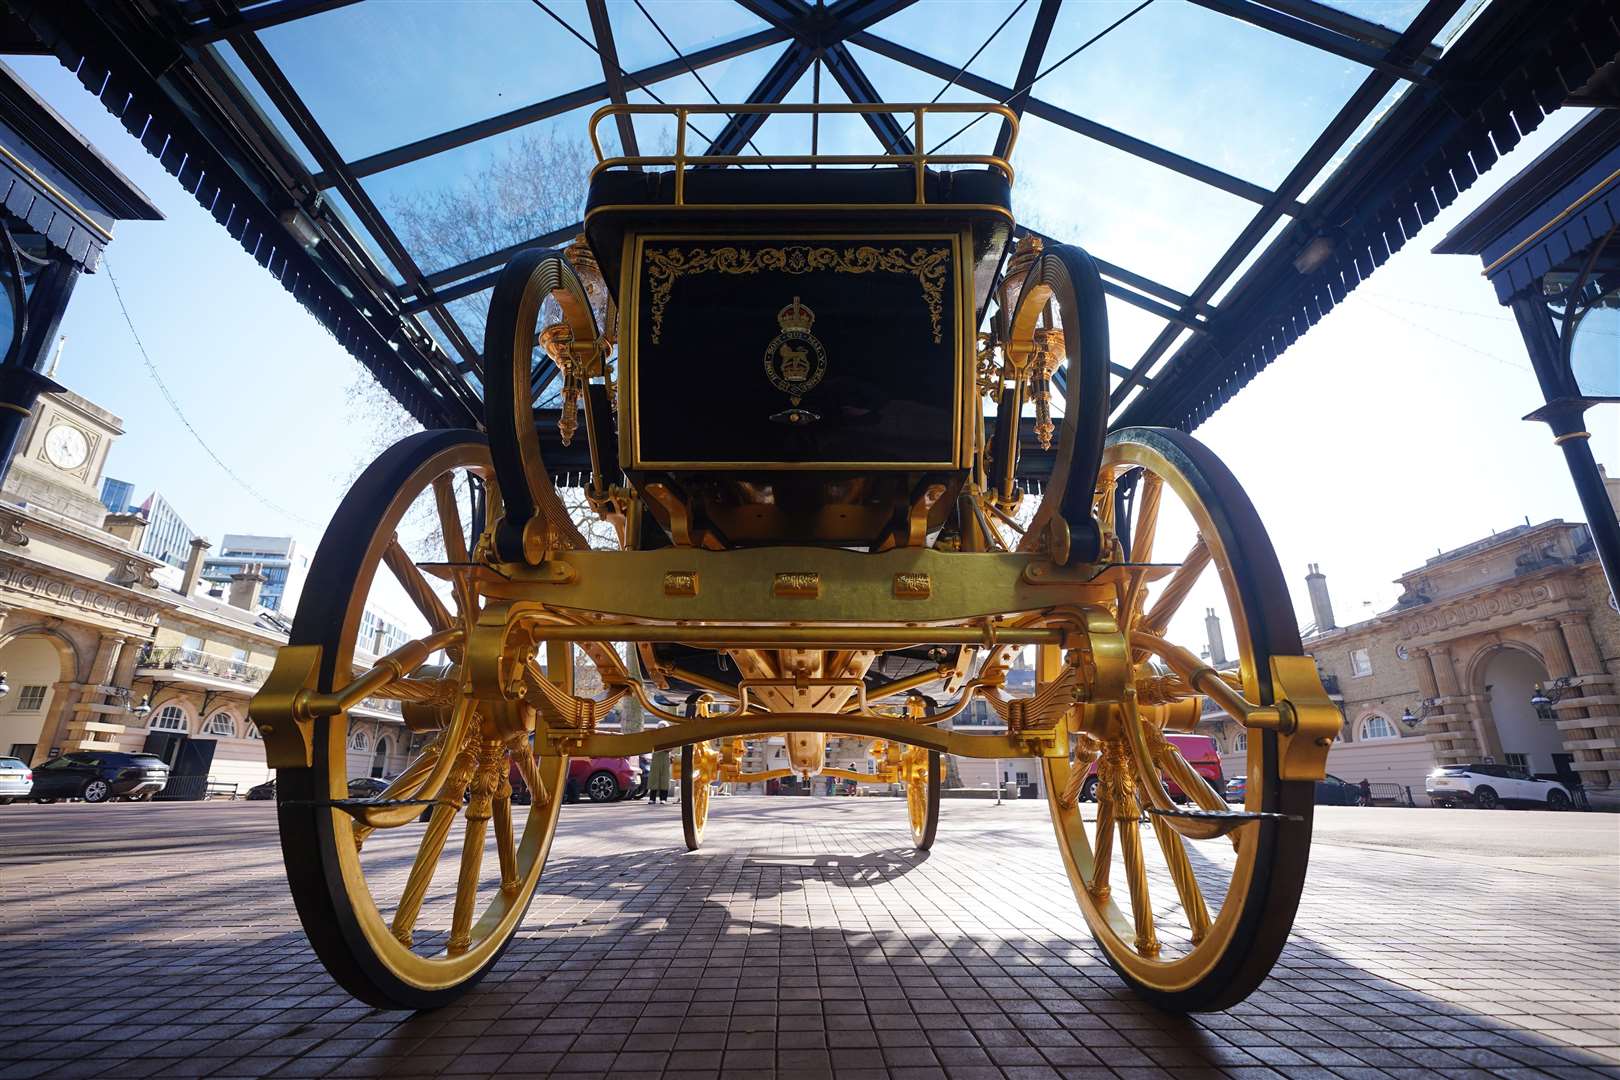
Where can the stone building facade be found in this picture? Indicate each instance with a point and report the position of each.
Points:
(105, 647)
(1446, 676)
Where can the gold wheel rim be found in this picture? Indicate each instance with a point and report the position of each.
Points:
(1115, 930)
(489, 932)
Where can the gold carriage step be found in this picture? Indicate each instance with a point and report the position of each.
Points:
(1226, 820)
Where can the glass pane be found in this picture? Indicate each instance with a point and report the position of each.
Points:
(973, 26)
(690, 24)
(1595, 349)
(1123, 209)
(376, 74)
(499, 191)
(1181, 76)
(946, 133)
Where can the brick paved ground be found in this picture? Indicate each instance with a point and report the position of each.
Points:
(808, 940)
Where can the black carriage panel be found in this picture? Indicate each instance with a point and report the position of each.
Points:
(792, 351)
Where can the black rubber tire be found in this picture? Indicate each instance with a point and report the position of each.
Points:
(308, 841)
(1557, 800)
(96, 791)
(1486, 798)
(691, 831)
(931, 822)
(1088, 789)
(601, 787)
(1283, 847)
(7, 801)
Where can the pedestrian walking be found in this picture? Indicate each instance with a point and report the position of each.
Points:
(658, 778)
(1366, 794)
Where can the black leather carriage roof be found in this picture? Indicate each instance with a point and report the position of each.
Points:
(826, 199)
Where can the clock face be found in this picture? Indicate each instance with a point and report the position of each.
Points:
(66, 447)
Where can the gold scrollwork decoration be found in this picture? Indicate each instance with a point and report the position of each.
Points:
(929, 265)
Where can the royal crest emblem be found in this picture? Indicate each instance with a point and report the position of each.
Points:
(795, 360)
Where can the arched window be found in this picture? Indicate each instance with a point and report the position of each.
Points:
(1241, 743)
(358, 741)
(169, 718)
(1377, 727)
(221, 724)
(252, 731)
(379, 760)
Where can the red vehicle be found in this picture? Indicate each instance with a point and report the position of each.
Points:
(599, 779)
(1199, 750)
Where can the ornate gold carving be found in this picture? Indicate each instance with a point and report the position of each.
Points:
(680, 583)
(803, 585)
(928, 264)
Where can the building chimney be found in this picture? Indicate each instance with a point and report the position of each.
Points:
(1321, 606)
(1217, 643)
(245, 585)
(127, 527)
(194, 565)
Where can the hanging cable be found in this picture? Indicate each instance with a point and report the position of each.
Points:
(168, 396)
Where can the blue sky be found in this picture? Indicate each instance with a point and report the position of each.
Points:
(1391, 430)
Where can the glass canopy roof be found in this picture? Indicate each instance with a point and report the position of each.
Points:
(1196, 149)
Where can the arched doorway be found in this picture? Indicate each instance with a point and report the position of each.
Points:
(1508, 679)
(34, 662)
(379, 760)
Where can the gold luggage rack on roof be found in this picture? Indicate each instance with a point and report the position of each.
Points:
(919, 161)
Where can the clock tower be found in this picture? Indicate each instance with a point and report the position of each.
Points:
(61, 453)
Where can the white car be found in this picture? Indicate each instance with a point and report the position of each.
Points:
(1491, 786)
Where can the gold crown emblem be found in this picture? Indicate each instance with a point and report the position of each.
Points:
(795, 363)
(796, 317)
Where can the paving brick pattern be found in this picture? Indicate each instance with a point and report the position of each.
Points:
(806, 940)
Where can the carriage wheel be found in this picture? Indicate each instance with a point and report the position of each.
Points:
(697, 774)
(366, 893)
(922, 796)
(1190, 926)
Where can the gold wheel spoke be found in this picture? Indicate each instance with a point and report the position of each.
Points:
(432, 846)
(1147, 517)
(1176, 588)
(1181, 872)
(416, 587)
(1130, 851)
(444, 498)
(504, 847)
(529, 769)
(488, 778)
(405, 785)
(1103, 849)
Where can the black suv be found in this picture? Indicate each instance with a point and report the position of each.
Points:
(99, 775)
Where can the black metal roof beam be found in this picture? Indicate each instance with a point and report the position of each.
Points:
(556, 106)
(1039, 34)
(260, 18)
(787, 70)
(1350, 25)
(1358, 108)
(1141, 148)
(1317, 37)
(860, 90)
(263, 67)
(612, 74)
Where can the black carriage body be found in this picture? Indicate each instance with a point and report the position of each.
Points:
(838, 352)
(797, 347)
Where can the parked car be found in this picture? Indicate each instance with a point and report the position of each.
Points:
(16, 780)
(367, 787)
(600, 779)
(1331, 791)
(98, 775)
(266, 790)
(1490, 786)
(1237, 789)
(1199, 750)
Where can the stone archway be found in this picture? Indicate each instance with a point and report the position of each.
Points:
(1504, 678)
(39, 663)
(379, 760)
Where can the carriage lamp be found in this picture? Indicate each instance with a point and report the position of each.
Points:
(1426, 708)
(5, 687)
(144, 707)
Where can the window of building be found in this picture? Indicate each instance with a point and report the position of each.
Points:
(1517, 761)
(1360, 662)
(1241, 743)
(192, 644)
(358, 741)
(222, 724)
(252, 731)
(32, 699)
(1377, 727)
(169, 718)
(23, 751)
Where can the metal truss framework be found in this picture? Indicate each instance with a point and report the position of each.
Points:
(157, 66)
